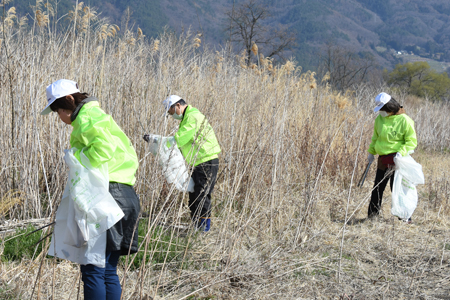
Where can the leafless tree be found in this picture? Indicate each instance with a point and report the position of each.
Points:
(248, 24)
(345, 67)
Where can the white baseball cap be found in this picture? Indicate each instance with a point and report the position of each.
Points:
(58, 89)
(380, 100)
(171, 100)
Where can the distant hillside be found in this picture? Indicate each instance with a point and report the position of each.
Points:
(382, 27)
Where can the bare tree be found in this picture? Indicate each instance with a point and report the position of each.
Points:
(248, 25)
(344, 67)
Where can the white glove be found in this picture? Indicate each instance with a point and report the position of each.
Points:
(370, 158)
(151, 138)
(398, 155)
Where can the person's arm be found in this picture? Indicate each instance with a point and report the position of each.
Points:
(374, 140)
(187, 132)
(410, 139)
(100, 146)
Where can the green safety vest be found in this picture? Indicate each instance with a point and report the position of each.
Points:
(195, 138)
(393, 134)
(102, 141)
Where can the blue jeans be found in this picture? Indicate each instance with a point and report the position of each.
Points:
(102, 283)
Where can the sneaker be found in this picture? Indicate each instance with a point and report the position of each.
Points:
(409, 221)
(204, 224)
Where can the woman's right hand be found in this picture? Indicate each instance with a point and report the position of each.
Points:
(370, 158)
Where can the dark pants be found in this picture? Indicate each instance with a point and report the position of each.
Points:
(123, 236)
(102, 283)
(204, 176)
(381, 179)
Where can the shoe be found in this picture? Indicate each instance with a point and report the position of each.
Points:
(204, 224)
(408, 221)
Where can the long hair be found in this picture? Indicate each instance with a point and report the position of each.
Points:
(64, 103)
(392, 106)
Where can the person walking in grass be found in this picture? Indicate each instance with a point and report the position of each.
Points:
(393, 135)
(198, 144)
(102, 141)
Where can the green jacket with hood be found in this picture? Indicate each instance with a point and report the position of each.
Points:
(102, 140)
(393, 134)
(196, 138)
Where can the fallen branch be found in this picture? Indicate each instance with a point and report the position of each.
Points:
(9, 225)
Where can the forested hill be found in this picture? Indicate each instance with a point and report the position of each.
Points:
(415, 27)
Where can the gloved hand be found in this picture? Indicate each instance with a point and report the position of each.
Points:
(151, 138)
(398, 154)
(370, 158)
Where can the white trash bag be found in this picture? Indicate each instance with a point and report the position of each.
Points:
(172, 162)
(408, 174)
(95, 209)
(86, 211)
(81, 252)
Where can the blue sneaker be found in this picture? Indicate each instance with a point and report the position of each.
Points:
(204, 224)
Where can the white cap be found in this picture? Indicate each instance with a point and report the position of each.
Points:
(171, 100)
(380, 100)
(58, 89)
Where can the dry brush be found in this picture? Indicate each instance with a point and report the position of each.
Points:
(291, 150)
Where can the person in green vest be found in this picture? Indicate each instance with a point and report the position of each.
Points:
(102, 141)
(393, 135)
(198, 143)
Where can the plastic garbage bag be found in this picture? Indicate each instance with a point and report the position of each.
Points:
(408, 174)
(86, 211)
(172, 162)
(95, 209)
(90, 252)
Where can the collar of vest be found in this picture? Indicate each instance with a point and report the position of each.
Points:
(78, 108)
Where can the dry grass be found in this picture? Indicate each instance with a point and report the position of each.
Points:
(292, 151)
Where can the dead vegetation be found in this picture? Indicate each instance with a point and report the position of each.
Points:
(287, 216)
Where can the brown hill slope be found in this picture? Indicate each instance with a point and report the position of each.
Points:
(421, 27)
